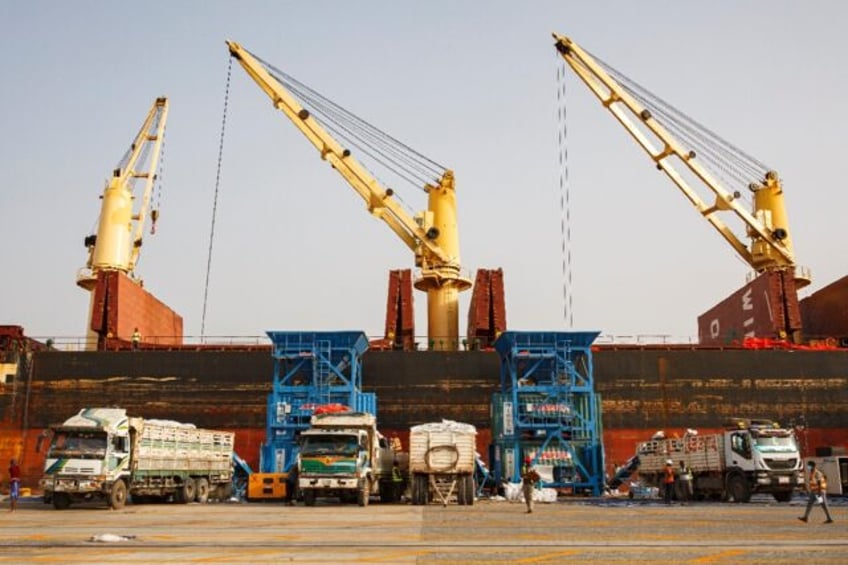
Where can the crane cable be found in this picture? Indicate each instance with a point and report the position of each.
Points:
(390, 153)
(564, 198)
(736, 168)
(215, 199)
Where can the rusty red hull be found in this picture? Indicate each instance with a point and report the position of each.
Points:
(825, 313)
(120, 305)
(642, 390)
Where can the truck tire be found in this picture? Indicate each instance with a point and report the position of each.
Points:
(201, 486)
(309, 497)
(186, 492)
(737, 489)
(783, 495)
(469, 490)
(386, 492)
(420, 490)
(224, 491)
(118, 495)
(363, 492)
(61, 500)
(461, 491)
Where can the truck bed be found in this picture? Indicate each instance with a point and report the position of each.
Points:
(163, 449)
(701, 453)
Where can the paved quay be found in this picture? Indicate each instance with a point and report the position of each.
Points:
(571, 531)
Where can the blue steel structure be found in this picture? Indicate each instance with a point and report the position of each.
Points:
(547, 410)
(310, 369)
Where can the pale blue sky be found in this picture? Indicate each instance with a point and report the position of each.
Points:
(470, 84)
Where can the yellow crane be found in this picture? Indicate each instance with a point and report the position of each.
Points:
(117, 242)
(432, 235)
(767, 225)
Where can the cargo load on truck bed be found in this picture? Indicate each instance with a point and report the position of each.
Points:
(442, 458)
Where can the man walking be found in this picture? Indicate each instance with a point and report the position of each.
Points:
(14, 484)
(529, 478)
(817, 492)
(684, 475)
(668, 481)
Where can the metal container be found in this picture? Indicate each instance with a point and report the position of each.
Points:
(766, 307)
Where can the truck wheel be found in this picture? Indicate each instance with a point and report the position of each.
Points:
(469, 490)
(61, 500)
(461, 491)
(118, 495)
(201, 486)
(186, 492)
(737, 489)
(364, 492)
(309, 497)
(223, 492)
(783, 496)
(386, 492)
(420, 490)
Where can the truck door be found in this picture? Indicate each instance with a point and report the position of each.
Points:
(740, 447)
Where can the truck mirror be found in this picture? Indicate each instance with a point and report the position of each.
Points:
(41, 438)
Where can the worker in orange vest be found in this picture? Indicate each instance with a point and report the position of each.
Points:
(668, 481)
(817, 492)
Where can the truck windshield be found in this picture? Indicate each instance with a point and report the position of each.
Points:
(774, 444)
(81, 445)
(329, 445)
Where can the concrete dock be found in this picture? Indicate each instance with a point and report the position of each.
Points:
(571, 531)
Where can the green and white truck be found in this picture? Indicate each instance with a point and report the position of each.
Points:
(342, 454)
(103, 454)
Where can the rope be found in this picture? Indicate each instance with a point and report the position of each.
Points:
(564, 198)
(215, 199)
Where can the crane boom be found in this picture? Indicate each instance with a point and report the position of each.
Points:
(117, 243)
(431, 235)
(767, 226)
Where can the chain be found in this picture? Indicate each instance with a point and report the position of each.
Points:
(215, 199)
(564, 199)
(160, 175)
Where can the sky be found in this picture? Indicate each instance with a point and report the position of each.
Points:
(470, 84)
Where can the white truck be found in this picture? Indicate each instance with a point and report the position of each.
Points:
(101, 453)
(835, 468)
(442, 458)
(342, 454)
(750, 456)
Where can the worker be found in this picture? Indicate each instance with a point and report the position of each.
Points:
(291, 485)
(816, 491)
(529, 479)
(668, 481)
(14, 484)
(136, 338)
(397, 482)
(684, 475)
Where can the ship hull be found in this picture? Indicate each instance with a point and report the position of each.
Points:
(643, 390)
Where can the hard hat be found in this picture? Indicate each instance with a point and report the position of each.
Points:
(669, 462)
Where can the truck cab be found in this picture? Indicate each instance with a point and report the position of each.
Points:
(343, 454)
(768, 456)
(88, 454)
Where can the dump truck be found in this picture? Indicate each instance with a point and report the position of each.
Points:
(103, 454)
(749, 456)
(442, 458)
(342, 454)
